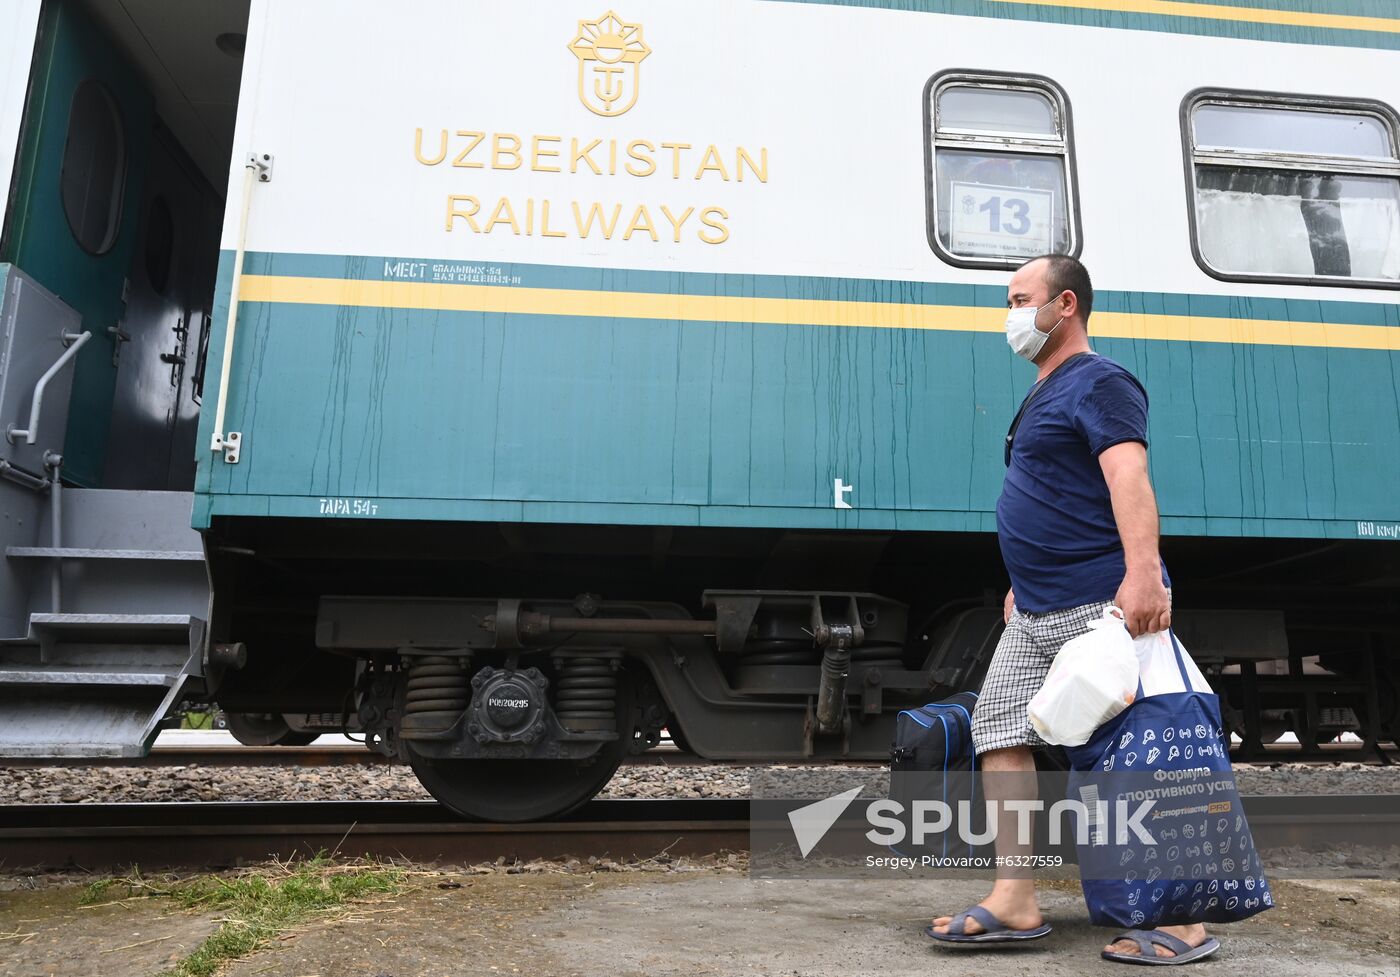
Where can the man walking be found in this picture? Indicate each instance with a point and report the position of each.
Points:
(1077, 524)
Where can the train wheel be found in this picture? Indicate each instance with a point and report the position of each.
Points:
(678, 737)
(1270, 730)
(265, 729)
(525, 790)
(515, 790)
(1388, 697)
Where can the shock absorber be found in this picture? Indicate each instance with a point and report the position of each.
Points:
(585, 692)
(437, 694)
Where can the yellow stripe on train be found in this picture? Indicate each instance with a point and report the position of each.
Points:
(1220, 11)
(796, 312)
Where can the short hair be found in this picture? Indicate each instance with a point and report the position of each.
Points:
(1066, 274)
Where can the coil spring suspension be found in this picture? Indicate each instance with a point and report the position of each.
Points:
(437, 694)
(585, 693)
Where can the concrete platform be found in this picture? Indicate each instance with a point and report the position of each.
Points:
(679, 923)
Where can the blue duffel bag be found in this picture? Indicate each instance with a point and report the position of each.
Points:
(932, 758)
(1197, 863)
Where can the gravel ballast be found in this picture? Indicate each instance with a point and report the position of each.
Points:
(651, 778)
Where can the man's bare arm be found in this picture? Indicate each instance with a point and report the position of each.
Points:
(1145, 602)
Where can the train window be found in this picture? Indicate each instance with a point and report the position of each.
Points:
(1287, 188)
(1000, 180)
(94, 168)
(1259, 129)
(962, 108)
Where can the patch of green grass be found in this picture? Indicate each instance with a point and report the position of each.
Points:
(197, 719)
(256, 906)
(111, 890)
(97, 891)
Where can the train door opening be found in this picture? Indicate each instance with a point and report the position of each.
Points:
(165, 330)
(189, 57)
(116, 208)
(109, 244)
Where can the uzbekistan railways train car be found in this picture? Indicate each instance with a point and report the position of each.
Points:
(577, 373)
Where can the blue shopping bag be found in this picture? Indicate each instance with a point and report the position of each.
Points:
(1190, 858)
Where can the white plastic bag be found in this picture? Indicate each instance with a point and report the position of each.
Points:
(1094, 677)
(1158, 668)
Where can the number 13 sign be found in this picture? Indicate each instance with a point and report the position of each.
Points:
(1001, 221)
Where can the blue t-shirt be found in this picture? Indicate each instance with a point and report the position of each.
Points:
(1055, 520)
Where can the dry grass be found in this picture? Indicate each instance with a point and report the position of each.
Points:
(256, 906)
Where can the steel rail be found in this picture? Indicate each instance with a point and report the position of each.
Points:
(334, 756)
(294, 756)
(220, 834)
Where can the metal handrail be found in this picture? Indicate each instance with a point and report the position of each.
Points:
(31, 433)
(252, 169)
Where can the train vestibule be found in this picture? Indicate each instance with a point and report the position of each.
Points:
(118, 118)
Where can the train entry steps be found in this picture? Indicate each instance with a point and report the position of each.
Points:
(102, 620)
(95, 684)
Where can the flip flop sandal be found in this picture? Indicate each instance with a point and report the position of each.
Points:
(1147, 955)
(994, 930)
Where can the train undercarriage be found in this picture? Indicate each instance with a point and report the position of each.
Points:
(511, 708)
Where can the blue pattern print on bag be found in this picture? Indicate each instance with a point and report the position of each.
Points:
(1194, 859)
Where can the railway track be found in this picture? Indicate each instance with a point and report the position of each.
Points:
(347, 753)
(331, 756)
(220, 834)
(93, 836)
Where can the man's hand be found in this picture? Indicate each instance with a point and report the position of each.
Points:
(1146, 605)
(1008, 607)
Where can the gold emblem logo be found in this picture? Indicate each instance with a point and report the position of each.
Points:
(610, 53)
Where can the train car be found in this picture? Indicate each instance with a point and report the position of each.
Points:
(572, 374)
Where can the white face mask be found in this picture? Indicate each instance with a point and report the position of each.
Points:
(1021, 332)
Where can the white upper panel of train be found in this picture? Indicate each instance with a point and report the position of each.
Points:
(775, 138)
(19, 19)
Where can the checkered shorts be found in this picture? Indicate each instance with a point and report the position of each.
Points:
(1019, 665)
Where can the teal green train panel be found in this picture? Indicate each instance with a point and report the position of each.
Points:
(435, 414)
